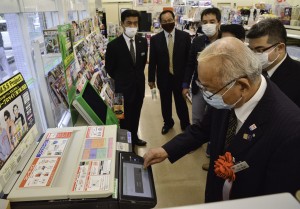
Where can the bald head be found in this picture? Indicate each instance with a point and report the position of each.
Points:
(231, 59)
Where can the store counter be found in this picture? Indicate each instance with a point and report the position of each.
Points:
(276, 201)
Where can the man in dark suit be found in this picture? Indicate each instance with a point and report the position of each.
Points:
(267, 39)
(168, 56)
(125, 61)
(264, 139)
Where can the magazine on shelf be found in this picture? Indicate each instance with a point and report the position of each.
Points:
(59, 88)
(107, 95)
(97, 82)
(51, 41)
(51, 77)
(89, 61)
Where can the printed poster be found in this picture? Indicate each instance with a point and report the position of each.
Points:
(92, 176)
(16, 115)
(44, 166)
(41, 172)
(52, 148)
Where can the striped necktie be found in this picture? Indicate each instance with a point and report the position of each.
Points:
(232, 124)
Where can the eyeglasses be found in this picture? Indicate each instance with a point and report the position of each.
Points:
(262, 50)
(207, 93)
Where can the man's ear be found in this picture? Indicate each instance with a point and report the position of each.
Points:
(281, 47)
(244, 84)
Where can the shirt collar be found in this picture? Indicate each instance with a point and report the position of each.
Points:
(167, 34)
(245, 110)
(127, 39)
(272, 71)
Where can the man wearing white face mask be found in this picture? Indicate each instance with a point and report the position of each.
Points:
(211, 20)
(267, 39)
(264, 137)
(125, 61)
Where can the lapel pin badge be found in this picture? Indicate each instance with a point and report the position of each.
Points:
(248, 137)
(252, 127)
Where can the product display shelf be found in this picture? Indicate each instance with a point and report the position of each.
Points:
(56, 116)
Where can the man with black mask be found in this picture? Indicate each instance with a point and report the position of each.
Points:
(169, 52)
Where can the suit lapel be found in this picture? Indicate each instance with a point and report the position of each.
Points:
(138, 52)
(176, 45)
(254, 126)
(281, 73)
(163, 42)
(248, 134)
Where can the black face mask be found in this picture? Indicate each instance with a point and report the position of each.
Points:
(168, 26)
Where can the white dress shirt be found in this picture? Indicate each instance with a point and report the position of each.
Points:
(127, 40)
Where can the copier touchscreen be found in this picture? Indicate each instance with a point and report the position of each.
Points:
(136, 183)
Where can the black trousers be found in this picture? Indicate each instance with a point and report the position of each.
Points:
(174, 87)
(133, 103)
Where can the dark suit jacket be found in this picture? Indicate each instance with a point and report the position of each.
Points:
(119, 65)
(199, 43)
(159, 57)
(272, 153)
(287, 78)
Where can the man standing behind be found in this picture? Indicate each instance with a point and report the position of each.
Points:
(210, 20)
(126, 57)
(267, 39)
(168, 56)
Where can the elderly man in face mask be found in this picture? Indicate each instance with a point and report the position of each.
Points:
(254, 128)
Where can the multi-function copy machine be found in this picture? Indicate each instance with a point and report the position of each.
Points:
(75, 167)
(88, 166)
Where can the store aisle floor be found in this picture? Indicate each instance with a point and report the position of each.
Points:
(181, 183)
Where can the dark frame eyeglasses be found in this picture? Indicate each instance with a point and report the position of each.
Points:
(265, 49)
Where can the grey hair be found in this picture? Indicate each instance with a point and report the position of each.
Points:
(236, 58)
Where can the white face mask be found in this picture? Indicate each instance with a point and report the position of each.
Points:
(264, 59)
(217, 101)
(209, 29)
(130, 32)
